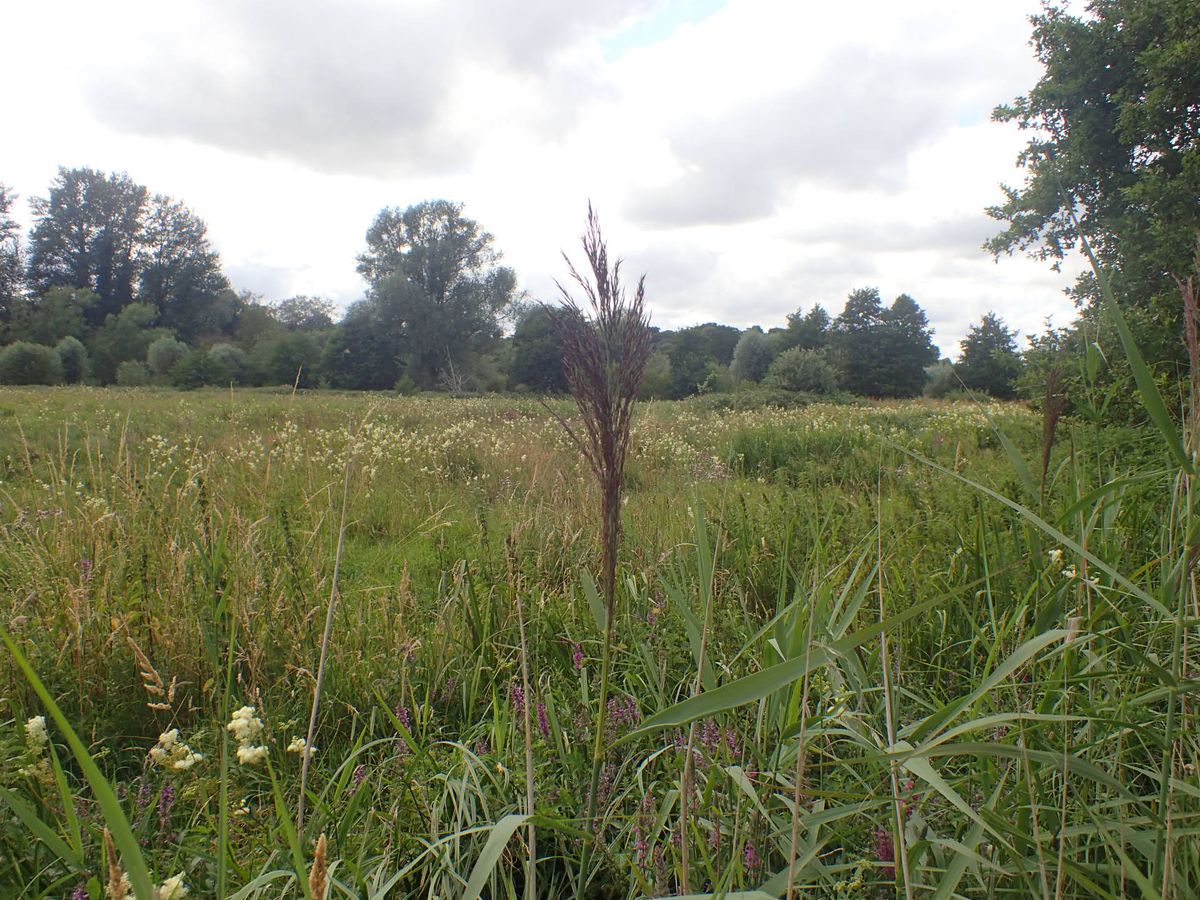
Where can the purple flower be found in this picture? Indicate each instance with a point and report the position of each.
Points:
(85, 570)
(516, 696)
(577, 656)
(885, 851)
(357, 777)
(750, 857)
(404, 716)
(80, 893)
(543, 722)
(143, 795)
(166, 802)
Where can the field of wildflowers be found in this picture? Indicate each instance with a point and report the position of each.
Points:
(920, 670)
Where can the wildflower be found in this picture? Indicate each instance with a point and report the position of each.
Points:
(166, 802)
(751, 857)
(36, 734)
(300, 745)
(173, 888)
(577, 656)
(1069, 572)
(885, 852)
(357, 777)
(516, 696)
(245, 726)
(249, 755)
(1056, 558)
(543, 722)
(173, 753)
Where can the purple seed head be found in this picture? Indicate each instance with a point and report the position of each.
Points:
(885, 851)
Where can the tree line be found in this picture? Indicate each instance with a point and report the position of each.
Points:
(117, 285)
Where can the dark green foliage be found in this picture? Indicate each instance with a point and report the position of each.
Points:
(692, 351)
(231, 362)
(291, 359)
(85, 234)
(304, 313)
(536, 358)
(1117, 131)
(59, 312)
(180, 273)
(433, 275)
(123, 337)
(132, 373)
(752, 356)
(989, 361)
(362, 353)
(881, 352)
(940, 380)
(27, 363)
(162, 355)
(805, 371)
(74, 358)
(10, 259)
(808, 331)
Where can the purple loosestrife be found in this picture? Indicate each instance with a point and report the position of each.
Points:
(516, 696)
(543, 722)
(166, 803)
(885, 852)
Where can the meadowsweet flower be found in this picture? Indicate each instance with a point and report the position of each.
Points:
(248, 755)
(245, 726)
(173, 888)
(300, 745)
(1056, 558)
(173, 753)
(1069, 572)
(36, 734)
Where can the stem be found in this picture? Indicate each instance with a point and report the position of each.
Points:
(333, 593)
(531, 877)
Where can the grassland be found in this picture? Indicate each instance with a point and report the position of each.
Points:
(922, 671)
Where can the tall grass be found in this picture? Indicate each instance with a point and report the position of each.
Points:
(1041, 653)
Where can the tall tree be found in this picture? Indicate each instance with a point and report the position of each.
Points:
(989, 361)
(1116, 137)
(10, 258)
(434, 274)
(180, 272)
(752, 356)
(85, 235)
(906, 348)
(537, 357)
(806, 330)
(856, 342)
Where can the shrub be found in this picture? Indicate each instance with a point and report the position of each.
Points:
(26, 363)
(807, 371)
(941, 379)
(162, 355)
(132, 373)
(228, 363)
(74, 358)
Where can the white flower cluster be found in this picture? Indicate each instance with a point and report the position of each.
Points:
(172, 889)
(247, 729)
(300, 745)
(36, 735)
(172, 753)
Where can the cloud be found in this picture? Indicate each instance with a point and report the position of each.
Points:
(359, 86)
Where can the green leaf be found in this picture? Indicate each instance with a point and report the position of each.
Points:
(492, 850)
(41, 830)
(114, 816)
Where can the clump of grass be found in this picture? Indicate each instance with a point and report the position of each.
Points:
(605, 349)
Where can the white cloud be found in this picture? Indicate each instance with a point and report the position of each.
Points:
(753, 160)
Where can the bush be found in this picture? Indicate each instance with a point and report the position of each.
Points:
(26, 363)
(132, 373)
(74, 358)
(229, 363)
(941, 379)
(162, 355)
(807, 371)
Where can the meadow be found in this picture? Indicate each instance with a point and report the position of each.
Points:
(900, 660)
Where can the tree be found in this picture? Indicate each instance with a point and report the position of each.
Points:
(28, 363)
(180, 272)
(906, 349)
(73, 356)
(536, 357)
(693, 352)
(10, 258)
(59, 312)
(124, 337)
(989, 361)
(855, 342)
(363, 350)
(435, 277)
(163, 354)
(808, 331)
(304, 313)
(807, 371)
(1116, 127)
(85, 235)
(752, 356)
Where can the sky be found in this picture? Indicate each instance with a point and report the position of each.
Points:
(752, 157)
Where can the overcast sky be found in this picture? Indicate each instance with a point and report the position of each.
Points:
(751, 156)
